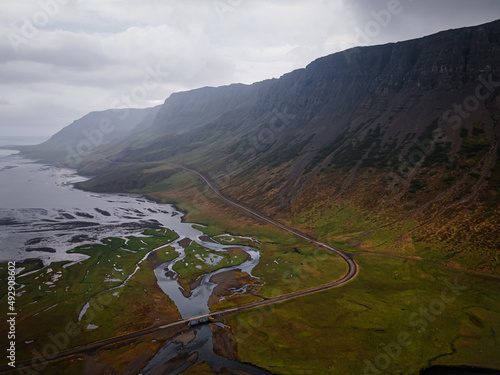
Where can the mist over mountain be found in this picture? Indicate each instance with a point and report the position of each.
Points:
(96, 130)
(400, 133)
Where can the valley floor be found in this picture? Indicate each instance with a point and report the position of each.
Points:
(397, 316)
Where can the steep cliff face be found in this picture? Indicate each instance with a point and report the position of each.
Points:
(188, 110)
(401, 88)
(388, 109)
(404, 131)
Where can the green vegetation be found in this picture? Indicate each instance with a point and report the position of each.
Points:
(350, 229)
(51, 300)
(357, 322)
(200, 260)
(119, 356)
(234, 301)
(167, 254)
(332, 225)
(359, 150)
(439, 156)
(208, 231)
(343, 147)
(286, 264)
(169, 183)
(284, 154)
(165, 233)
(127, 178)
(28, 265)
(341, 330)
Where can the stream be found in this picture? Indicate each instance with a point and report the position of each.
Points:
(200, 348)
(42, 216)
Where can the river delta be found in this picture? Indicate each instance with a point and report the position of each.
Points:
(47, 219)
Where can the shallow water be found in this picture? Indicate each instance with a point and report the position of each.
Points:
(202, 348)
(40, 209)
(197, 303)
(43, 216)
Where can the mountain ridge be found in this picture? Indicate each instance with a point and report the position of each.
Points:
(398, 133)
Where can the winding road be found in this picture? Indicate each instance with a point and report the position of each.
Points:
(347, 257)
(353, 267)
(350, 274)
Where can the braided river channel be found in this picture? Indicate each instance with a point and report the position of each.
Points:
(42, 216)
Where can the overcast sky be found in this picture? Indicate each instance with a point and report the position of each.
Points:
(60, 59)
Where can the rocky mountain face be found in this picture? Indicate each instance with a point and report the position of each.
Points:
(399, 133)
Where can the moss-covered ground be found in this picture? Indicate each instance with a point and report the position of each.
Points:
(396, 317)
(50, 303)
(347, 227)
(350, 328)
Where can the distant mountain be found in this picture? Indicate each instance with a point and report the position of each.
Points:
(85, 138)
(403, 132)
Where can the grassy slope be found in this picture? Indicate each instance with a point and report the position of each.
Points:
(119, 356)
(337, 331)
(444, 208)
(465, 237)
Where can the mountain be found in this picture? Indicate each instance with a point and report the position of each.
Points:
(391, 147)
(94, 132)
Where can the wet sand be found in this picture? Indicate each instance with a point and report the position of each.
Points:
(225, 344)
(186, 338)
(229, 281)
(184, 243)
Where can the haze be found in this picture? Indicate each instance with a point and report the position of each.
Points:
(60, 59)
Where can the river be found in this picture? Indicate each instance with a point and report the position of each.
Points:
(43, 216)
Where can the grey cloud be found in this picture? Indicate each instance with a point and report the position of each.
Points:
(417, 18)
(94, 52)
